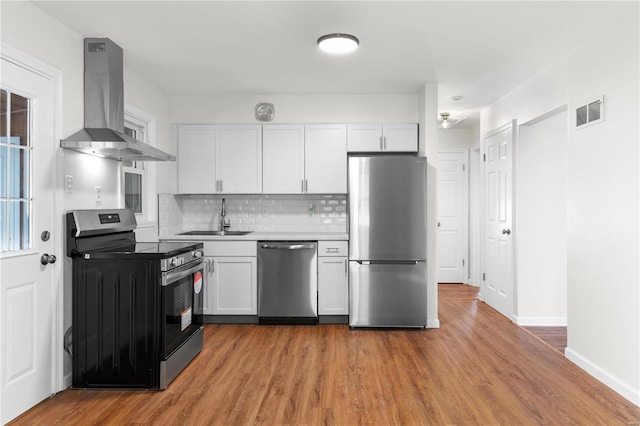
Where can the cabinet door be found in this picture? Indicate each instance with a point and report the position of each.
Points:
(400, 137)
(325, 150)
(282, 159)
(197, 159)
(234, 286)
(333, 286)
(239, 159)
(364, 137)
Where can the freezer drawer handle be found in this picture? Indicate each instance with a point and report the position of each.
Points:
(287, 246)
(394, 262)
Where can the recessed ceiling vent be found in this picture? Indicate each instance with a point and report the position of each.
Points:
(96, 47)
(590, 113)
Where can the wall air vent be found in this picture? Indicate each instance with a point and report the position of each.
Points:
(591, 113)
(96, 47)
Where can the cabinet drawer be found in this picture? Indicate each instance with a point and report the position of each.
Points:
(332, 248)
(230, 248)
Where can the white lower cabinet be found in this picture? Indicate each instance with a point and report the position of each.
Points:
(232, 286)
(333, 278)
(232, 278)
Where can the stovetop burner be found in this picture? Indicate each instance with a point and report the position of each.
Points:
(109, 234)
(159, 250)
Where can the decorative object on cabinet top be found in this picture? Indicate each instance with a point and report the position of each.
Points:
(264, 111)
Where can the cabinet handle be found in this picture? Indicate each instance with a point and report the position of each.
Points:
(384, 143)
(306, 186)
(346, 268)
(221, 185)
(381, 146)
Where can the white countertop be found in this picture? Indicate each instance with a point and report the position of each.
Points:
(263, 236)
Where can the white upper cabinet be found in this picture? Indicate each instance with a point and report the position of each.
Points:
(400, 137)
(197, 159)
(382, 137)
(239, 159)
(282, 159)
(304, 159)
(219, 159)
(325, 150)
(364, 137)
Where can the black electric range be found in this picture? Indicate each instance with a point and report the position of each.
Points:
(137, 306)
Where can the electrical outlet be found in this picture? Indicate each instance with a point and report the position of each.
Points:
(68, 183)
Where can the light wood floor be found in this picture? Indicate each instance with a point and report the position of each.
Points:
(556, 337)
(478, 368)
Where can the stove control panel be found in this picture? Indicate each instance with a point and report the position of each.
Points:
(176, 261)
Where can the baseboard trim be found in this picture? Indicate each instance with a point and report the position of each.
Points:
(433, 323)
(605, 377)
(67, 380)
(541, 321)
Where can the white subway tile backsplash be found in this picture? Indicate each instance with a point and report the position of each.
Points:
(295, 213)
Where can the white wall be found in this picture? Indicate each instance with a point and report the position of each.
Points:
(428, 147)
(541, 221)
(51, 42)
(454, 139)
(240, 109)
(603, 241)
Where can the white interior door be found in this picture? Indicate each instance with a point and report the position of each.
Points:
(453, 217)
(27, 289)
(498, 247)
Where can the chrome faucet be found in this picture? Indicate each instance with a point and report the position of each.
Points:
(224, 223)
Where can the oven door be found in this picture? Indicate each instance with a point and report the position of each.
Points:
(182, 305)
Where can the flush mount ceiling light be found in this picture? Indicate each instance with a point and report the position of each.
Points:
(338, 43)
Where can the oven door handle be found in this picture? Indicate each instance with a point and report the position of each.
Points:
(170, 277)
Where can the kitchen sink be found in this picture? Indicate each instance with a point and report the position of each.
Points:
(220, 233)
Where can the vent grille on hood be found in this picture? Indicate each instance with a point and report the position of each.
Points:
(103, 132)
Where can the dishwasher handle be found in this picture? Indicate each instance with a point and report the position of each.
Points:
(276, 246)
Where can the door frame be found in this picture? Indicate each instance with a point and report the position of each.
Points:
(514, 146)
(37, 66)
(465, 230)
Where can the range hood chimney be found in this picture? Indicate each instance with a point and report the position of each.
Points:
(103, 134)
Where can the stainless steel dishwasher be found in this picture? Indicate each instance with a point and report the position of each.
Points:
(288, 282)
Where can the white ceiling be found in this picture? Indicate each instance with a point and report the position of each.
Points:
(476, 49)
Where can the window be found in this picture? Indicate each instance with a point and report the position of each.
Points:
(15, 172)
(135, 179)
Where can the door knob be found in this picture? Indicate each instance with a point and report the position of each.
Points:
(506, 231)
(47, 258)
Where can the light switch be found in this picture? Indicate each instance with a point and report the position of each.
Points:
(98, 192)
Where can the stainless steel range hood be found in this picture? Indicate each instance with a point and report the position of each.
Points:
(103, 132)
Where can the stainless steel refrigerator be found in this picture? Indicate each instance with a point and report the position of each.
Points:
(387, 241)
